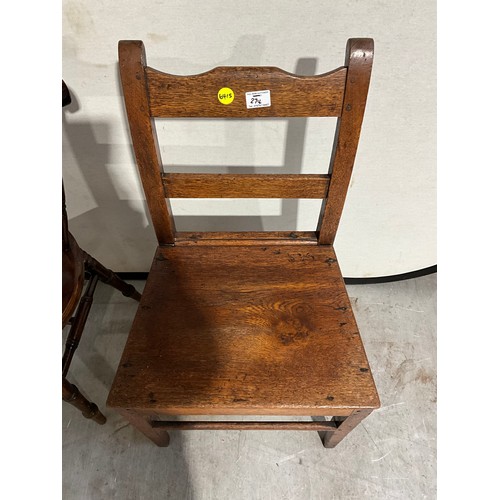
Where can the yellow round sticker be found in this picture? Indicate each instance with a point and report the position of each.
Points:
(225, 95)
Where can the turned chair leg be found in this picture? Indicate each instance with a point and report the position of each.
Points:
(110, 278)
(78, 324)
(332, 438)
(73, 396)
(97, 272)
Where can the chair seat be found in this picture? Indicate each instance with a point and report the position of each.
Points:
(244, 330)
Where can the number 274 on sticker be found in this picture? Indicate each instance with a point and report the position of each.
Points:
(258, 99)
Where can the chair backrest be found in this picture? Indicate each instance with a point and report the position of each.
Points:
(245, 92)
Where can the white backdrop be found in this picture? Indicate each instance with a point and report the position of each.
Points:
(388, 224)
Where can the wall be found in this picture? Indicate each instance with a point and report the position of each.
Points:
(388, 224)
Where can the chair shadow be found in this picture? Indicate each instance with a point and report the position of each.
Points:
(113, 219)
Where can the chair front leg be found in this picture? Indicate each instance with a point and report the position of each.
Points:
(333, 438)
(143, 423)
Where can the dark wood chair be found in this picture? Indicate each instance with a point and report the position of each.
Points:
(244, 323)
(77, 265)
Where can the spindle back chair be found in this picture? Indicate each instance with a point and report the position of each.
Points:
(77, 265)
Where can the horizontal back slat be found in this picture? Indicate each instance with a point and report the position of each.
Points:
(245, 186)
(173, 96)
(247, 238)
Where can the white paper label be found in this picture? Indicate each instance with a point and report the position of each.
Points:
(258, 99)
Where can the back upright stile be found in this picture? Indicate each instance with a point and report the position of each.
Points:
(358, 59)
(132, 59)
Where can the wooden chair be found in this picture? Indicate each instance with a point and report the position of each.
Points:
(76, 265)
(248, 323)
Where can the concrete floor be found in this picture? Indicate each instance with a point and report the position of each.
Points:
(391, 455)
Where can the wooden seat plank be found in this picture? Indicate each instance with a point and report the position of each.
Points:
(244, 330)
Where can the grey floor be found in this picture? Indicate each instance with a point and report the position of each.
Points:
(391, 455)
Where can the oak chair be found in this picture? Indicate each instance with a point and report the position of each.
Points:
(244, 323)
(77, 266)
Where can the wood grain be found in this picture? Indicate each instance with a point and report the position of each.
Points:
(245, 185)
(262, 330)
(233, 238)
(173, 96)
(132, 61)
(359, 59)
